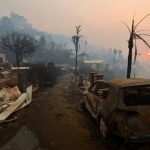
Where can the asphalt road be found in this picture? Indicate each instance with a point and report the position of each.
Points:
(55, 121)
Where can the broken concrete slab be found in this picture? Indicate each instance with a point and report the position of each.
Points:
(28, 98)
(12, 108)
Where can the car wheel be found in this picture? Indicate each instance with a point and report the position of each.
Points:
(103, 129)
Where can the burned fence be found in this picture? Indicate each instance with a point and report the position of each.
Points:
(42, 74)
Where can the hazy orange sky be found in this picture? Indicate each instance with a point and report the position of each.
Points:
(100, 19)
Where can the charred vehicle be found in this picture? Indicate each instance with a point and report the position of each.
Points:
(121, 106)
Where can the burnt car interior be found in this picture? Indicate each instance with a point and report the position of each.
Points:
(134, 96)
(100, 89)
(103, 93)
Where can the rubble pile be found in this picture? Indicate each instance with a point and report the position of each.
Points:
(11, 100)
(9, 94)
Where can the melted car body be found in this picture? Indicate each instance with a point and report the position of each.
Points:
(123, 104)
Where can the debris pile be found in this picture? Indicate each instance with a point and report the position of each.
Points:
(9, 94)
(8, 78)
(12, 100)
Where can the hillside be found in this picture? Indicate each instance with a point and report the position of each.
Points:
(21, 24)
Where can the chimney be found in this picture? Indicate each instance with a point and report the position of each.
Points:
(98, 77)
(92, 74)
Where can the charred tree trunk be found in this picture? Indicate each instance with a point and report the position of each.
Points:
(20, 73)
(130, 46)
(17, 60)
(75, 40)
(76, 65)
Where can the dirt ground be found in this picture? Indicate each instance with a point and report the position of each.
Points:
(55, 121)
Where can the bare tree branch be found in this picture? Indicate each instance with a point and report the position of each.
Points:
(144, 34)
(127, 27)
(141, 20)
(139, 37)
(142, 31)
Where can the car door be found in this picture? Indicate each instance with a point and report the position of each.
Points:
(95, 97)
(101, 95)
(110, 103)
(90, 98)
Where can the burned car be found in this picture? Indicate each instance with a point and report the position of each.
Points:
(121, 106)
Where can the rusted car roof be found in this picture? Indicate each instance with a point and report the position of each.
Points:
(120, 83)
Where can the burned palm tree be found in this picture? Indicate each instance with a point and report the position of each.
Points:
(134, 35)
(75, 40)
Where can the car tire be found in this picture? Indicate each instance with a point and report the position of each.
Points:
(103, 129)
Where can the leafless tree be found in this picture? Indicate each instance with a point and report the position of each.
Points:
(19, 43)
(22, 45)
(134, 35)
(75, 40)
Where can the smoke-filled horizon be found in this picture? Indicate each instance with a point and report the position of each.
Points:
(101, 20)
